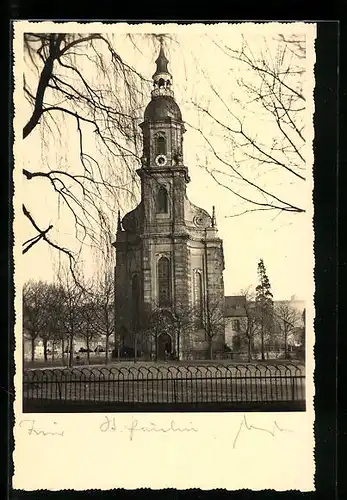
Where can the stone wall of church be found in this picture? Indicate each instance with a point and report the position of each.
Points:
(215, 265)
(128, 263)
(180, 262)
(186, 257)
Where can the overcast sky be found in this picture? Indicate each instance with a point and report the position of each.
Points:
(283, 241)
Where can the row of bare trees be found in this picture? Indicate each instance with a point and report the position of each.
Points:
(59, 313)
(284, 327)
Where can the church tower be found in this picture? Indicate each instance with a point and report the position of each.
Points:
(169, 259)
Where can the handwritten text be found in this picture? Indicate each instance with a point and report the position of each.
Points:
(32, 429)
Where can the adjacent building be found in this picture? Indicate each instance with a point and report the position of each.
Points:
(288, 315)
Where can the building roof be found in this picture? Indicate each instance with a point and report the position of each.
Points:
(234, 306)
(163, 107)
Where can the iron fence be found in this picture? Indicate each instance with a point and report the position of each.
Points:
(167, 384)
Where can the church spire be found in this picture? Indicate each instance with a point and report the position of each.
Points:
(162, 79)
(161, 61)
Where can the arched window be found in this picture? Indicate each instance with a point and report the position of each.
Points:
(135, 296)
(162, 200)
(164, 282)
(161, 145)
(199, 298)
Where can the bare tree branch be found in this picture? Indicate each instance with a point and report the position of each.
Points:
(271, 82)
(67, 67)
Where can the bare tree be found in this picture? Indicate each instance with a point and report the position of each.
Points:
(34, 315)
(87, 329)
(287, 319)
(104, 319)
(249, 324)
(57, 328)
(213, 322)
(73, 313)
(186, 320)
(79, 83)
(271, 81)
(154, 322)
(51, 313)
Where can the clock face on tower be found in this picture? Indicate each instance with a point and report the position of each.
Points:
(161, 160)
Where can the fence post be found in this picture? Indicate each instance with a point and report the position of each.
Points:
(59, 388)
(293, 388)
(174, 390)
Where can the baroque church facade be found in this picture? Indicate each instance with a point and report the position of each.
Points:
(169, 258)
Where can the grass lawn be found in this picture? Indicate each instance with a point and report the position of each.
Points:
(99, 360)
(58, 362)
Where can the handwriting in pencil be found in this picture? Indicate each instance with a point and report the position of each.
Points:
(32, 429)
(245, 425)
(109, 425)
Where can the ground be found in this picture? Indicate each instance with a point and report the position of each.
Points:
(99, 360)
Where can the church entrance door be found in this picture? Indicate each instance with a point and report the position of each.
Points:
(164, 346)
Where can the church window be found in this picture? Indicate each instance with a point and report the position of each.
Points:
(164, 282)
(162, 200)
(199, 298)
(161, 145)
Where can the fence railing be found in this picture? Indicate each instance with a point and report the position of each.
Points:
(169, 385)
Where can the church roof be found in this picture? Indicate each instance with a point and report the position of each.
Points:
(132, 221)
(161, 108)
(234, 306)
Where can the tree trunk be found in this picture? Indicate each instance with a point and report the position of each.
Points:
(285, 344)
(262, 344)
(178, 343)
(88, 353)
(62, 351)
(45, 354)
(32, 349)
(53, 346)
(135, 349)
(210, 348)
(70, 354)
(249, 350)
(106, 347)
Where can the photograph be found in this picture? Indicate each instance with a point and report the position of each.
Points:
(164, 217)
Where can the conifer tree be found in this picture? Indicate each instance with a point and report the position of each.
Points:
(264, 304)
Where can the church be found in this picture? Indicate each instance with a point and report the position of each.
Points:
(169, 298)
